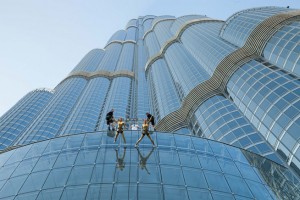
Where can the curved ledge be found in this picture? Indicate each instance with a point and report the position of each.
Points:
(120, 42)
(237, 14)
(131, 26)
(147, 17)
(175, 39)
(101, 73)
(153, 25)
(217, 83)
(44, 90)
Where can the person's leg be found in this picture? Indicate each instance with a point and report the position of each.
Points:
(153, 124)
(116, 136)
(142, 136)
(123, 137)
(107, 122)
(150, 139)
(112, 125)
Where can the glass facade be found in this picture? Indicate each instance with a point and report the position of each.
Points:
(283, 48)
(270, 98)
(226, 100)
(15, 121)
(91, 166)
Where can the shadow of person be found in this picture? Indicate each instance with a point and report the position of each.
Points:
(143, 159)
(120, 164)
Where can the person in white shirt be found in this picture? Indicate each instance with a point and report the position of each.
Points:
(134, 127)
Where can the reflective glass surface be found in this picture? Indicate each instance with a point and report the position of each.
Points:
(283, 49)
(51, 119)
(165, 97)
(88, 109)
(162, 31)
(110, 59)
(126, 57)
(221, 120)
(119, 35)
(119, 98)
(270, 98)
(90, 61)
(185, 69)
(91, 166)
(15, 121)
(181, 21)
(239, 26)
(212, 49)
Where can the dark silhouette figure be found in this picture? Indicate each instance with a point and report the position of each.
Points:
(110, 119)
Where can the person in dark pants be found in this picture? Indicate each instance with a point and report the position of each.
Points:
(110, 119)
(150, 119)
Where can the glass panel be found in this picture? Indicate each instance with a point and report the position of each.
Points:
(238, 186)
(57, 178)
(18, 154)
(101, 191)
(34, 181)
(201, 145)
(74, 193)
(30, 196)
(12, 186)
(45, 162)
(86, 156)
(228, 166)
(175, 193)
(37, 149)
(168, 175)
(103, 173)
(120, 191)
(258, 190)
(196, 194)
(222, 196)
(216, 181)
(50, 194)
(25, 167)
(7, 170)
(209, 162)
(66, 158)
(189, 159)
(5, 156)
(194, 178)
(168, 156)
(80, 175)
(92, 139)
(248, 172)
(149, 192)
(149, 174)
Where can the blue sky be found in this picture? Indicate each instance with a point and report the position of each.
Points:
(42, 40)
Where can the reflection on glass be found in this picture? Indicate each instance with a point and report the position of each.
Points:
(143, 159)
(120, 160)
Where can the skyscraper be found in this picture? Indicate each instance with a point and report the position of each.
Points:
(225, 96)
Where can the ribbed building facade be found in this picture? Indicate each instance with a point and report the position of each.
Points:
(225, 95)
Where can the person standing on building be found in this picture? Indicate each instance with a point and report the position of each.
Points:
(150, 119)
(120, 130)
(145, 131)
(110, 119)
